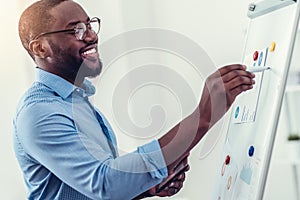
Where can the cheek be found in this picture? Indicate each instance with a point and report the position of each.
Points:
(70, 54)
(65, 48)
(74, 51)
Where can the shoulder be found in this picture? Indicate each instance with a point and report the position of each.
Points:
(38, 93)
(41, 110)
(39, 100)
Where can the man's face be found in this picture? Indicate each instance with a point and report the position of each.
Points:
(73, 58)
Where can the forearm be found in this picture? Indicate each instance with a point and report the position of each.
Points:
(183, 137)
(219, 92)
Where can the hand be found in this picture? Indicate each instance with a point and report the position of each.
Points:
(173, 186)
(220, 90)
(174, 182)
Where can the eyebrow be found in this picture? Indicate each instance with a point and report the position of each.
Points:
(71, 24)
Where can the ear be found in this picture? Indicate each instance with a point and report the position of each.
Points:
(40, 48)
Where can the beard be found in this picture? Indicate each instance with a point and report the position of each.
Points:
(88, 69)
(72, 66)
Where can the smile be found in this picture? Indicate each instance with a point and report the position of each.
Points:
(91, 51)
(90, 54)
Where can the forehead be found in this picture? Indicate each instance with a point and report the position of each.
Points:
(67, 12)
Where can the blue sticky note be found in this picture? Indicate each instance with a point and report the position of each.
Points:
(246, 174)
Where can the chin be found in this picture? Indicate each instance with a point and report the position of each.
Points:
(90, 69)
(95, 73)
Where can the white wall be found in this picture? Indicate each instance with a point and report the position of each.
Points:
(218, 26)
(14, 79)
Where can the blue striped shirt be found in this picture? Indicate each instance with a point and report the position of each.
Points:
(67, 149)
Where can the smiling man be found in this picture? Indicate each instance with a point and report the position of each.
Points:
(80, 54)
(64, 145)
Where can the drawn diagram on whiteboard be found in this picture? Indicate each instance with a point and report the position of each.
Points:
(245, 109)
(229, 174)
(248, 175)
(238, 177)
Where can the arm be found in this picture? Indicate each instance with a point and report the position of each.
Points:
(220, 90)
(57, 148)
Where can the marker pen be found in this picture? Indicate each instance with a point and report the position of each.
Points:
(257, 69)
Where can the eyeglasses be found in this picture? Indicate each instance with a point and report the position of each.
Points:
(80, 30)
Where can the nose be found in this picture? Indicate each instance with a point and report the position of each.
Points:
(91, 36)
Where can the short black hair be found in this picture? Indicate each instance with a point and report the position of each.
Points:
(36, 19)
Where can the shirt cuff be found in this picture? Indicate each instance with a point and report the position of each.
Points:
(152, 155)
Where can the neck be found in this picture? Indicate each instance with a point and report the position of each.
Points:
(78, 81)
(72, 78)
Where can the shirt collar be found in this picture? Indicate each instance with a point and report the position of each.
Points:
(61, 86)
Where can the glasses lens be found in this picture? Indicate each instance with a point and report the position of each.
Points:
(81, 28)
(80, 31)
(95, 25)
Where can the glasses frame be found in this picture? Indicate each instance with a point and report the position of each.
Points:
(94, 19)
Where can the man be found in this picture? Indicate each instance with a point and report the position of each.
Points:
(64, 145)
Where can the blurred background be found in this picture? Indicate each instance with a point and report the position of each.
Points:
(219, 27)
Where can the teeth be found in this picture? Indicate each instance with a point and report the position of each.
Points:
(90, 51)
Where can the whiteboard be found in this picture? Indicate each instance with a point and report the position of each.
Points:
(255, 113)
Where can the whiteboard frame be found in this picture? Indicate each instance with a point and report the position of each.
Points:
(263, 8)
(266, 8)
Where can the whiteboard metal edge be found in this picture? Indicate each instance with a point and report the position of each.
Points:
(266, 6)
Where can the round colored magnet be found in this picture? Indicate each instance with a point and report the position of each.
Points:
(227, 160)
(255, 55)
(272, 46)
(251, 151)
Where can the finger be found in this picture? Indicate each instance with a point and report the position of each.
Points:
(172, 191)
(175, 190)
(239, 81)
(181, 177)
(237, 73)
(176, 184)
(226, 69)
(175, 187)
(242, 88)
(167, 192)
(187, 168)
